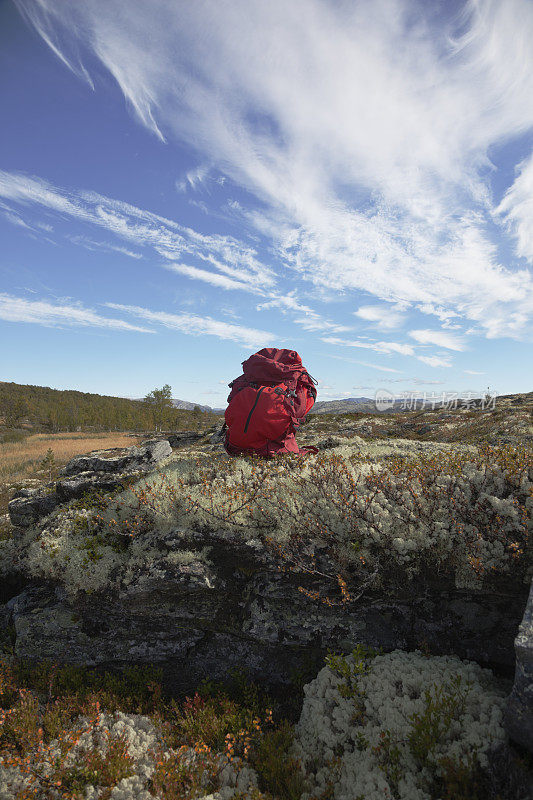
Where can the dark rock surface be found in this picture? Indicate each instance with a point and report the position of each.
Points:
(29, 505)
(229, 606)
(182, 438)
(78, 485)
(519, 713)
(508, 779)
(328, 443)
(117, 460)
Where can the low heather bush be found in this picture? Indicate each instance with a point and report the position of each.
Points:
(67, 748)
(453, 513)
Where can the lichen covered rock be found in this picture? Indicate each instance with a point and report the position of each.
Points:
(519, 712)
(150, 452)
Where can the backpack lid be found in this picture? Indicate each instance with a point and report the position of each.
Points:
(272, 364)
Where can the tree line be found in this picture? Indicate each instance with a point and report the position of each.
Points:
(68, 410)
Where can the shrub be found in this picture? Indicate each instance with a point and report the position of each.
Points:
(455, 513)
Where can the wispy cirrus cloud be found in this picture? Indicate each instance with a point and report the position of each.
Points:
(310, 321)
(161, 235)
(378, 366)
(193, 178)
(387, 317)
(75, 314)
(439, 338)
(90, 244)
(194, 325)
(42, 312)
(416, 381)
(15, 219)
(364, 363)
(516, 209)
(214, 278)
(379, 347)
(391, 198)
(235, 266)
(435, 361)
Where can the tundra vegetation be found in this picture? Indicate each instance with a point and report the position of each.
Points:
(388, 500)
(41, 409)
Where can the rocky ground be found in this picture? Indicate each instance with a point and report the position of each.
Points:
(509, 422)
(159, 554)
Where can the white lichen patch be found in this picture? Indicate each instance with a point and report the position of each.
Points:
(337, 738)
(405, 522)
(142, 747)
(60, 553)
(393, 691)
(333, 496)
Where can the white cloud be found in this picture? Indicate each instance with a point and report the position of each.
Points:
(444, 314)
(193, 179)
(41, 312)
(386, 317)
(377, 366)
(90, 244)
(379, 347)
(363, 363)
(334, 395)
(135, 225)
(435, 361)
(311, 321)
(222, 281)
(473, 372)
(440, 338)
(417, 381)
(193, 325)
(388, 197)
(15, 219)
(287, 302)
(516, 209)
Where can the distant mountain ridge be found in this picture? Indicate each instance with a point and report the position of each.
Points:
(185, 405)
(347, 405)
(352, 404)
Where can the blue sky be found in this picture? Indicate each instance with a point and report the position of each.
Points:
(182, 184)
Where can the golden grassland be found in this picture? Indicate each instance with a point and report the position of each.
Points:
(21, 462)
(22, 459)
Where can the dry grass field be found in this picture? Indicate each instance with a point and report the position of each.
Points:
(23, 458)
(20, 462)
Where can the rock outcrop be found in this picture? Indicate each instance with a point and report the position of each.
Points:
(120, 460)
(198, 602)
(519, 713)
(29, 505)
(183, 438)
(220, 602)
(102, 470)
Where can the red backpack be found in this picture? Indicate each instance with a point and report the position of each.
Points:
(266, 404)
